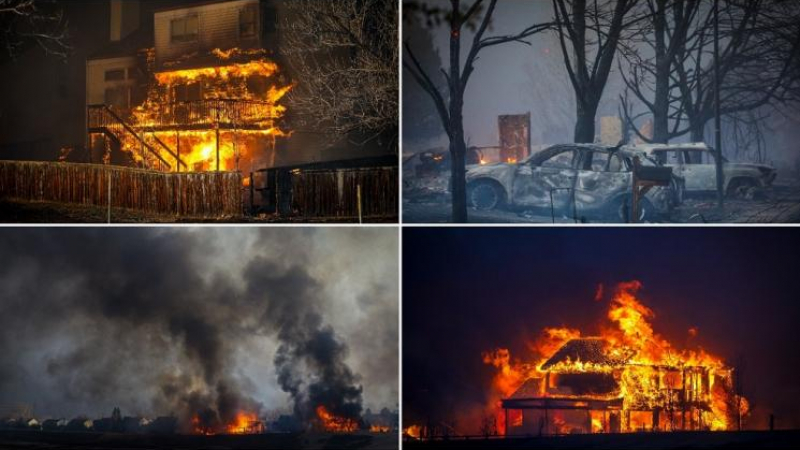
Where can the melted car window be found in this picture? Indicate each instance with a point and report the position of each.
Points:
(692, 157)
(606, 162)
(561, 160)
(615, 164)
(599, 161)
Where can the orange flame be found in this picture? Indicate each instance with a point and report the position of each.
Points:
(253, 92)
(649, 372)
(335, 424)
(414, 431)
(245, 423)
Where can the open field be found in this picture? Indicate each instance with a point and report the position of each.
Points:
(89, 440)
(716, 439)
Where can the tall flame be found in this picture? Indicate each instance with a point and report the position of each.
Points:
(650, 373)
(243, 96)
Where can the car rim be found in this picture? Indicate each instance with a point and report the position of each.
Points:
(626, 205)
(484, 197)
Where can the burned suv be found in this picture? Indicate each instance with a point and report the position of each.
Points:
(695, 164)
(585, 179)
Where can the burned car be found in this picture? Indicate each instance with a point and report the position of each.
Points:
(579, 179)
(695, 164)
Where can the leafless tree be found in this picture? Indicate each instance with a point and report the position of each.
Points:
(24, 22)
(476, 15)
(759, 51)
(589, 33)
(661, 35)
(345, 53)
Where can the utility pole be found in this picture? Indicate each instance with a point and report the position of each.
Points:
(717, 124)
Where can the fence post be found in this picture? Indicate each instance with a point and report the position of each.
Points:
(108, 173)
(358, 196)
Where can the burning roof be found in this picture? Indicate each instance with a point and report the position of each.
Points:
(589, 350)
(626, 379)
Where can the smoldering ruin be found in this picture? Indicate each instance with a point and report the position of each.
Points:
(198, 331)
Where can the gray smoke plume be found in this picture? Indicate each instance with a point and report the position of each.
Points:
(183, 321)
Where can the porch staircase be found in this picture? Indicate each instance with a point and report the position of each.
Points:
(102, 119)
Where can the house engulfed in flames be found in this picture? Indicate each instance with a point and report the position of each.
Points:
(199, 91)
(628, 379)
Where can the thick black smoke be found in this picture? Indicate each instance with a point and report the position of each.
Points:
(307, 344)
(143, 318)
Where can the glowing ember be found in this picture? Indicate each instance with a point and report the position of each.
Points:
(629, 378)
(335, 424)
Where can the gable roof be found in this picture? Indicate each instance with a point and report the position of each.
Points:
(587, 350)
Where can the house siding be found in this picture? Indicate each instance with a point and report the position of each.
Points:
(96, 83)
(218, 27)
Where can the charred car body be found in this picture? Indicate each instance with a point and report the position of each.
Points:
(694, 163)
(583, 179)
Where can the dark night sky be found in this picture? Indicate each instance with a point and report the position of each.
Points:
(470, 290)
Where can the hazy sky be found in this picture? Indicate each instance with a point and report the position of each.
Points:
(515, 78)
(97, 318)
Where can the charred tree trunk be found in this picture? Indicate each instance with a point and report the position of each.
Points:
(698, 131)
(588, 73)
(584, 124)
(661, 95)
(451, 110)
(458, 148)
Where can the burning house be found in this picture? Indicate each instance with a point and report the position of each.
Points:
(627, 379)
(198, 90)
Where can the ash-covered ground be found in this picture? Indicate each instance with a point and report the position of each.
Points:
(781, 204)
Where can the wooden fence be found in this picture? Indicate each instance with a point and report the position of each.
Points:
(200, 194)
(334, 193)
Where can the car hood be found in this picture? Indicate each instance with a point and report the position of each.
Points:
(477, 170)
(738, 165)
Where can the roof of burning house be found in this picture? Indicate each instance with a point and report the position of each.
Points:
(530, 388)
(587, 350)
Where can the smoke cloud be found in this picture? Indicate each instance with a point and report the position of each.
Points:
(198, 322)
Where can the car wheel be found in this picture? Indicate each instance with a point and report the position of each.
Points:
(620, 209)
(679, 192)
(485, 195)
(741, 188)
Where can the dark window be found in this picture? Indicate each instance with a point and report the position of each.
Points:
(247, 21)
(115, 75)
(184, 29)
(187, 92)
(561, 160)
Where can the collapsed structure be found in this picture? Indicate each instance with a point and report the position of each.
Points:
(627, 379)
